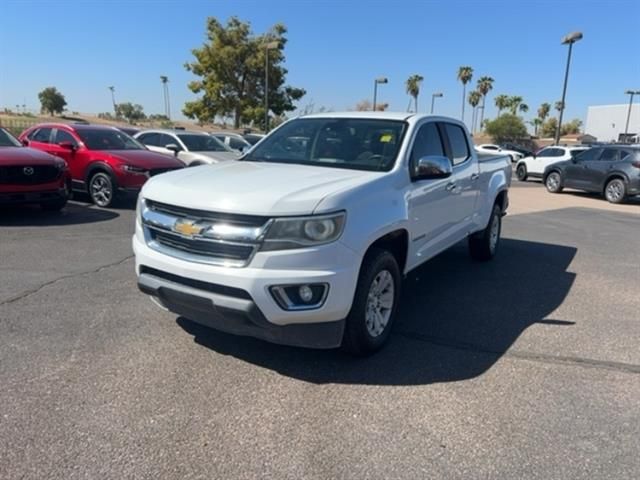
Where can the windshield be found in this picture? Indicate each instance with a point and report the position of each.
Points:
(202, 143)
(359, 144)
(104, 139)
(8, 140)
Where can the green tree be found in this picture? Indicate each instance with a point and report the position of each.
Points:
(536, 122)
(412, 85)
(502, 102)
(543, 111)
(572, 127)
(549, 127)
(474, 101)
(52, 101)
(130, 111)
(465, 74)
(506, 128)
(485, 85)
(366, 106)
(231, 70)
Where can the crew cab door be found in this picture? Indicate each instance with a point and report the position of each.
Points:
(434, 205)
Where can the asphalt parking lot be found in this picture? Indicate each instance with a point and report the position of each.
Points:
(525, 367)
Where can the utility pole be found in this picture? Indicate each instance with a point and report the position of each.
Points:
(165, 90)
(113, 100)
(568, 40)
(631, 93)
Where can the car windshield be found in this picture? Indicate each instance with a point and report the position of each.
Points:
(359, 144)
(105, 139)
(202, 143)
(8, 140)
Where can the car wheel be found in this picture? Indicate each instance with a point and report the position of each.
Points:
(521, 172)
(615, 191)
(101, 189)
(370, 320)
(483, 245)
(54, 205)
(553, 182)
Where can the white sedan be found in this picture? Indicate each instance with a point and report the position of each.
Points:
(533, 166)
(491, 148)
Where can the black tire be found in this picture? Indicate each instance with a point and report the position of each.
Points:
(102, 189)
(615, 191)
(521, 172)
(553, 182)
(360, 335)
(483, 245)
(54, 205)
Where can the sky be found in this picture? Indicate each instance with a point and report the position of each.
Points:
(335, 50)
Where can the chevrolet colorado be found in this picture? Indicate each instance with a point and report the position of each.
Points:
(305, 240)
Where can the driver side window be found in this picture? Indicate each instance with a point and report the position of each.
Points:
(427, 142)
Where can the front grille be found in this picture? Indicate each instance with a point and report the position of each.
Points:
(157, 171)
(234, 219)
(17, 174)
(206, 248)
(200, 285)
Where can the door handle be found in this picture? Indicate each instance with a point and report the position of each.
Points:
(475, 176)
(450, 186)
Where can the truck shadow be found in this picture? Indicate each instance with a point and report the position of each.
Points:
(457, 318)
(72, 214)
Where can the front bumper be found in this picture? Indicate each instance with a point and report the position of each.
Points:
(238, 300)
(14, 198)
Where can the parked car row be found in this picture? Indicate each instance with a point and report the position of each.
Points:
(610, 170)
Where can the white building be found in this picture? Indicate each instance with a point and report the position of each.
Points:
(607, 122)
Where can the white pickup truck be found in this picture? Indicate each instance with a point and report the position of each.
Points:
(305, 240)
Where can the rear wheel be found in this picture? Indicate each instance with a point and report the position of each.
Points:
(521, 172)
(101, 189)
(615, 191)
(483, 245)
(369, 322)
(553, 182)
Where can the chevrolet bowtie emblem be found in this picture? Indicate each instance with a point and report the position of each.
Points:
(187, 228)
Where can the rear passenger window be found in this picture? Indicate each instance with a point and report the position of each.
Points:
(458, 143)
(41, 135)
(609, 155)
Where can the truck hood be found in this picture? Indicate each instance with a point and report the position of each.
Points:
(142, 158)
(220, 156)
(253, 188)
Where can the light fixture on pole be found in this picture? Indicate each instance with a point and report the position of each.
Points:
(165, 91)
(433, 99)
(567, 40)
(631, 93)
(113, 99)
(375, 89)
(268, 46)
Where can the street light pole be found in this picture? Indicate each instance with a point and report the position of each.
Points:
(570, 40)
(433, 98)
(113, 100)
(375, 89)
(267, 47)
(165, 91)
(631, 93)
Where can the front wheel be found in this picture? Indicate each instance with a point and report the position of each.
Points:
(369, 322)
(615, 191)
(483, 245)
(553, 182)
(521, 172)
(101, 189)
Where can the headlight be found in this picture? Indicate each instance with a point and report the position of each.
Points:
(60, 164)
(132, 169)
(139, 207)
(300, 232)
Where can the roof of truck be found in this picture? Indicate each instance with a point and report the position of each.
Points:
(373, 115)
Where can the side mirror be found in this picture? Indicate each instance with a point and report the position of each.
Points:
(433, 166)
(67, 146)
(173, 147)
(25, 142)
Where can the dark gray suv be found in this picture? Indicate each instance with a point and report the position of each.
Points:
(611, 170)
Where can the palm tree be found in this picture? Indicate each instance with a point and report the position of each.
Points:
(543, 111)
(502, 102)
(524, 108)
(514, 103)
(485, 84)
(465, 74)
(413, 88)
(536, 122)
(474, 100)
(558, 106)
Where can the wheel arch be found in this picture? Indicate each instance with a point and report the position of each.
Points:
(396, 242)
(100, 166)
(612, 176)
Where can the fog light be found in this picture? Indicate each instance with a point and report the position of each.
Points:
(306, 294)
(300, 297)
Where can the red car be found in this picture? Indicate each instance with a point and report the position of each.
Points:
(31, 176)
(104, 161)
